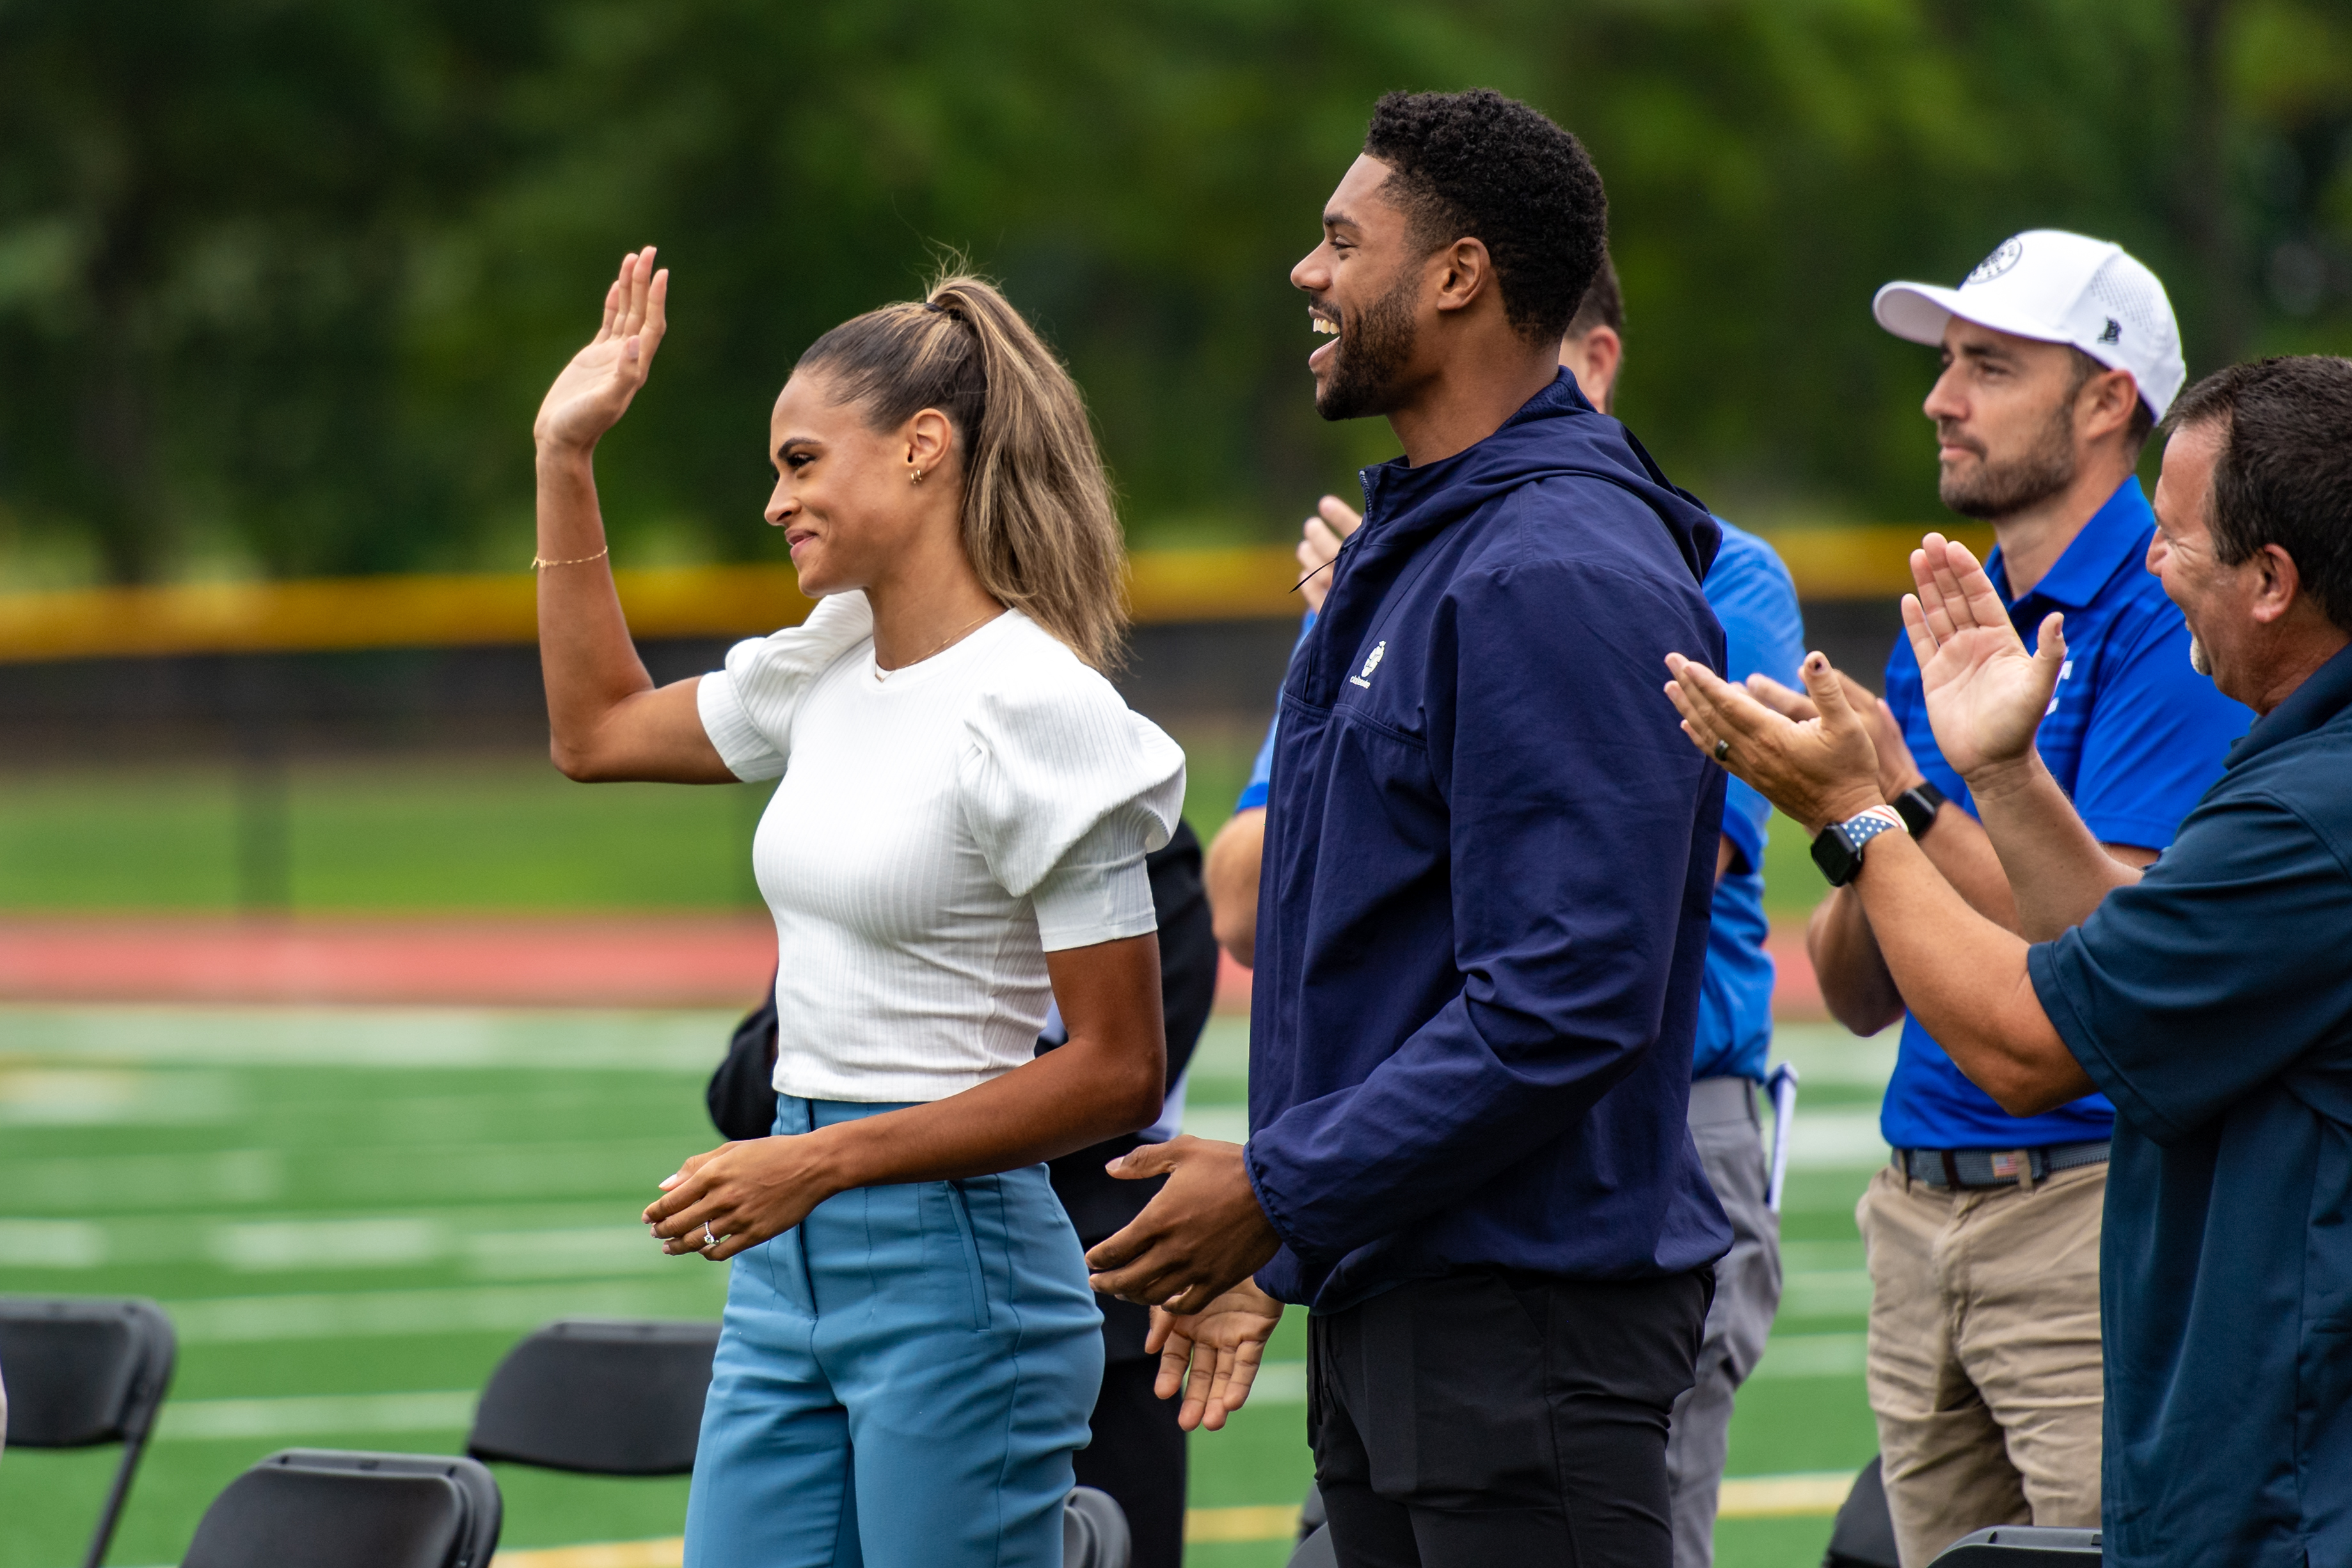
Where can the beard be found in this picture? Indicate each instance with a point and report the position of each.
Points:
(1999, 490)
(1374, 346)
(2198, 659)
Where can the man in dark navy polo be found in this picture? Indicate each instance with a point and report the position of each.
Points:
(2060, 354)
(2210, 998)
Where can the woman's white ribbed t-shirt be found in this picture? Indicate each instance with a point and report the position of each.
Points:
(935, 834)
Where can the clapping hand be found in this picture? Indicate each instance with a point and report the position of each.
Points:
(594, 390)
(1821, 770)
(1985, 693)
(1212, 1355)
(1898, 769)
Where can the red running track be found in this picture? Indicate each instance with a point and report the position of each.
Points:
(637, 961)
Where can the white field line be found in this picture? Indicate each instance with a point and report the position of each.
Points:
(1835, 1138)
(673, 1041)
(197, 1420)
(416, 1173)
(1811, 1356)
(228, 1320)
(1785, 1356)
(1812, 1493)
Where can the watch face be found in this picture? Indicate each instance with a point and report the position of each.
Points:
(1835, 856)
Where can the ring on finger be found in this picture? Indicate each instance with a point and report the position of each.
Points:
(1722, 749)
(708, 1240)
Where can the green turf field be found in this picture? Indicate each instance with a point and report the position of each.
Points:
(478, 834)
(484, 833)
(350, 1213)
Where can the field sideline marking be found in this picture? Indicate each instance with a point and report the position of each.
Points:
(308, 1414)
(1809, 1494)
(477, 1309)
(1815, 1494)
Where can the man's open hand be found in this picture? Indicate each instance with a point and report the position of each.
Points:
(1819, 771)
(1212, 1355)
(1200, 1236)
(1898, 769)
(1986, 694)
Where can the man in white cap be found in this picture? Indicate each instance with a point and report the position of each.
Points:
(2059, 353)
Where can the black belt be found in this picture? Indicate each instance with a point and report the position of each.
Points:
(1996, 1167)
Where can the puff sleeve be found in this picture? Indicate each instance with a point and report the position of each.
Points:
(747, 708)
(1066, 790)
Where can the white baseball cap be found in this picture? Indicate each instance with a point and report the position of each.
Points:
(2057, 287)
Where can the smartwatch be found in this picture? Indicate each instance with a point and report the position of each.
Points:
(1837, 849)
(1917, 807)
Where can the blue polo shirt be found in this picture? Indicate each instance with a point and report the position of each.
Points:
(2134, 736)
(1751, 594)
(1261, 778)
(2213, 1003)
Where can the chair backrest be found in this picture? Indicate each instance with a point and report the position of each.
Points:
(83, 1370)
(1313, 1550)
(608, 1398)
(1094, 1531)
(2022, 1546)
(323, 1507)
(1863, 1535)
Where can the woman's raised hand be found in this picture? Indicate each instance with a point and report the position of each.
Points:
(594, 390)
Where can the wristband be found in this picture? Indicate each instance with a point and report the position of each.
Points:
(1917, 807)
(1837, 849)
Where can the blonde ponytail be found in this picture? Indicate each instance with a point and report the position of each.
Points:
(1038, 523)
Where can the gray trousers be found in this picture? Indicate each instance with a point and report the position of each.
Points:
(1730, 1139)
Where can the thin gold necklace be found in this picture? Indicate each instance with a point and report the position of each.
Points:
(941, 646)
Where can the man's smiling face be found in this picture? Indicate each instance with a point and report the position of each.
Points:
(1362, 284)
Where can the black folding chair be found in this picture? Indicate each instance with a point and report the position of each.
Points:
(83, 1370)
(603, 1398)
(324, 1508)
(1863, 1535)
(2022, 1546)
(1314, 1549)
(1094, 1531)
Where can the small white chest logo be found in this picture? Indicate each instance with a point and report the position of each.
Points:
(1364, 677)
(2065, 672)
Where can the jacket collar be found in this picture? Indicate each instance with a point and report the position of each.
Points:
(2328, 693)
(2115, 538)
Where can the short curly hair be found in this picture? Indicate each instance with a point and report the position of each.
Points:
(1477, 165)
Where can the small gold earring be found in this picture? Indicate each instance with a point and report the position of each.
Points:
(914, 475)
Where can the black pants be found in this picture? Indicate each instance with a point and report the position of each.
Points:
(1138, 1456)
(1491, 1418)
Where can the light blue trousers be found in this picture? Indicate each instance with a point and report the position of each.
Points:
(900, 1380)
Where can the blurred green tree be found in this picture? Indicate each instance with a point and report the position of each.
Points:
(280, 281)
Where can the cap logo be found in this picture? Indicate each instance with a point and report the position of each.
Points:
(2114, 332)
(1998, 262)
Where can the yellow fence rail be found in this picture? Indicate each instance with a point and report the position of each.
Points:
(1243, 583)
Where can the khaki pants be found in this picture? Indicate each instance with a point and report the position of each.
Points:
(1984, 1354)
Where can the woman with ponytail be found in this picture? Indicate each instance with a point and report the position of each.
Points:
(911, 1349)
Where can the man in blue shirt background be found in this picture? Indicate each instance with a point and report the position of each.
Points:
(1984, 1369)
(1752, 595)
(2210, 997)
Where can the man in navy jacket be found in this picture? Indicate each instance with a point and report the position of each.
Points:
(1483, 916)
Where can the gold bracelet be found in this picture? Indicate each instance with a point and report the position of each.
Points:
(538, 565)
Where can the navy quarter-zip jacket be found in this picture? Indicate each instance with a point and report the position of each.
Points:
(1488, 866)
